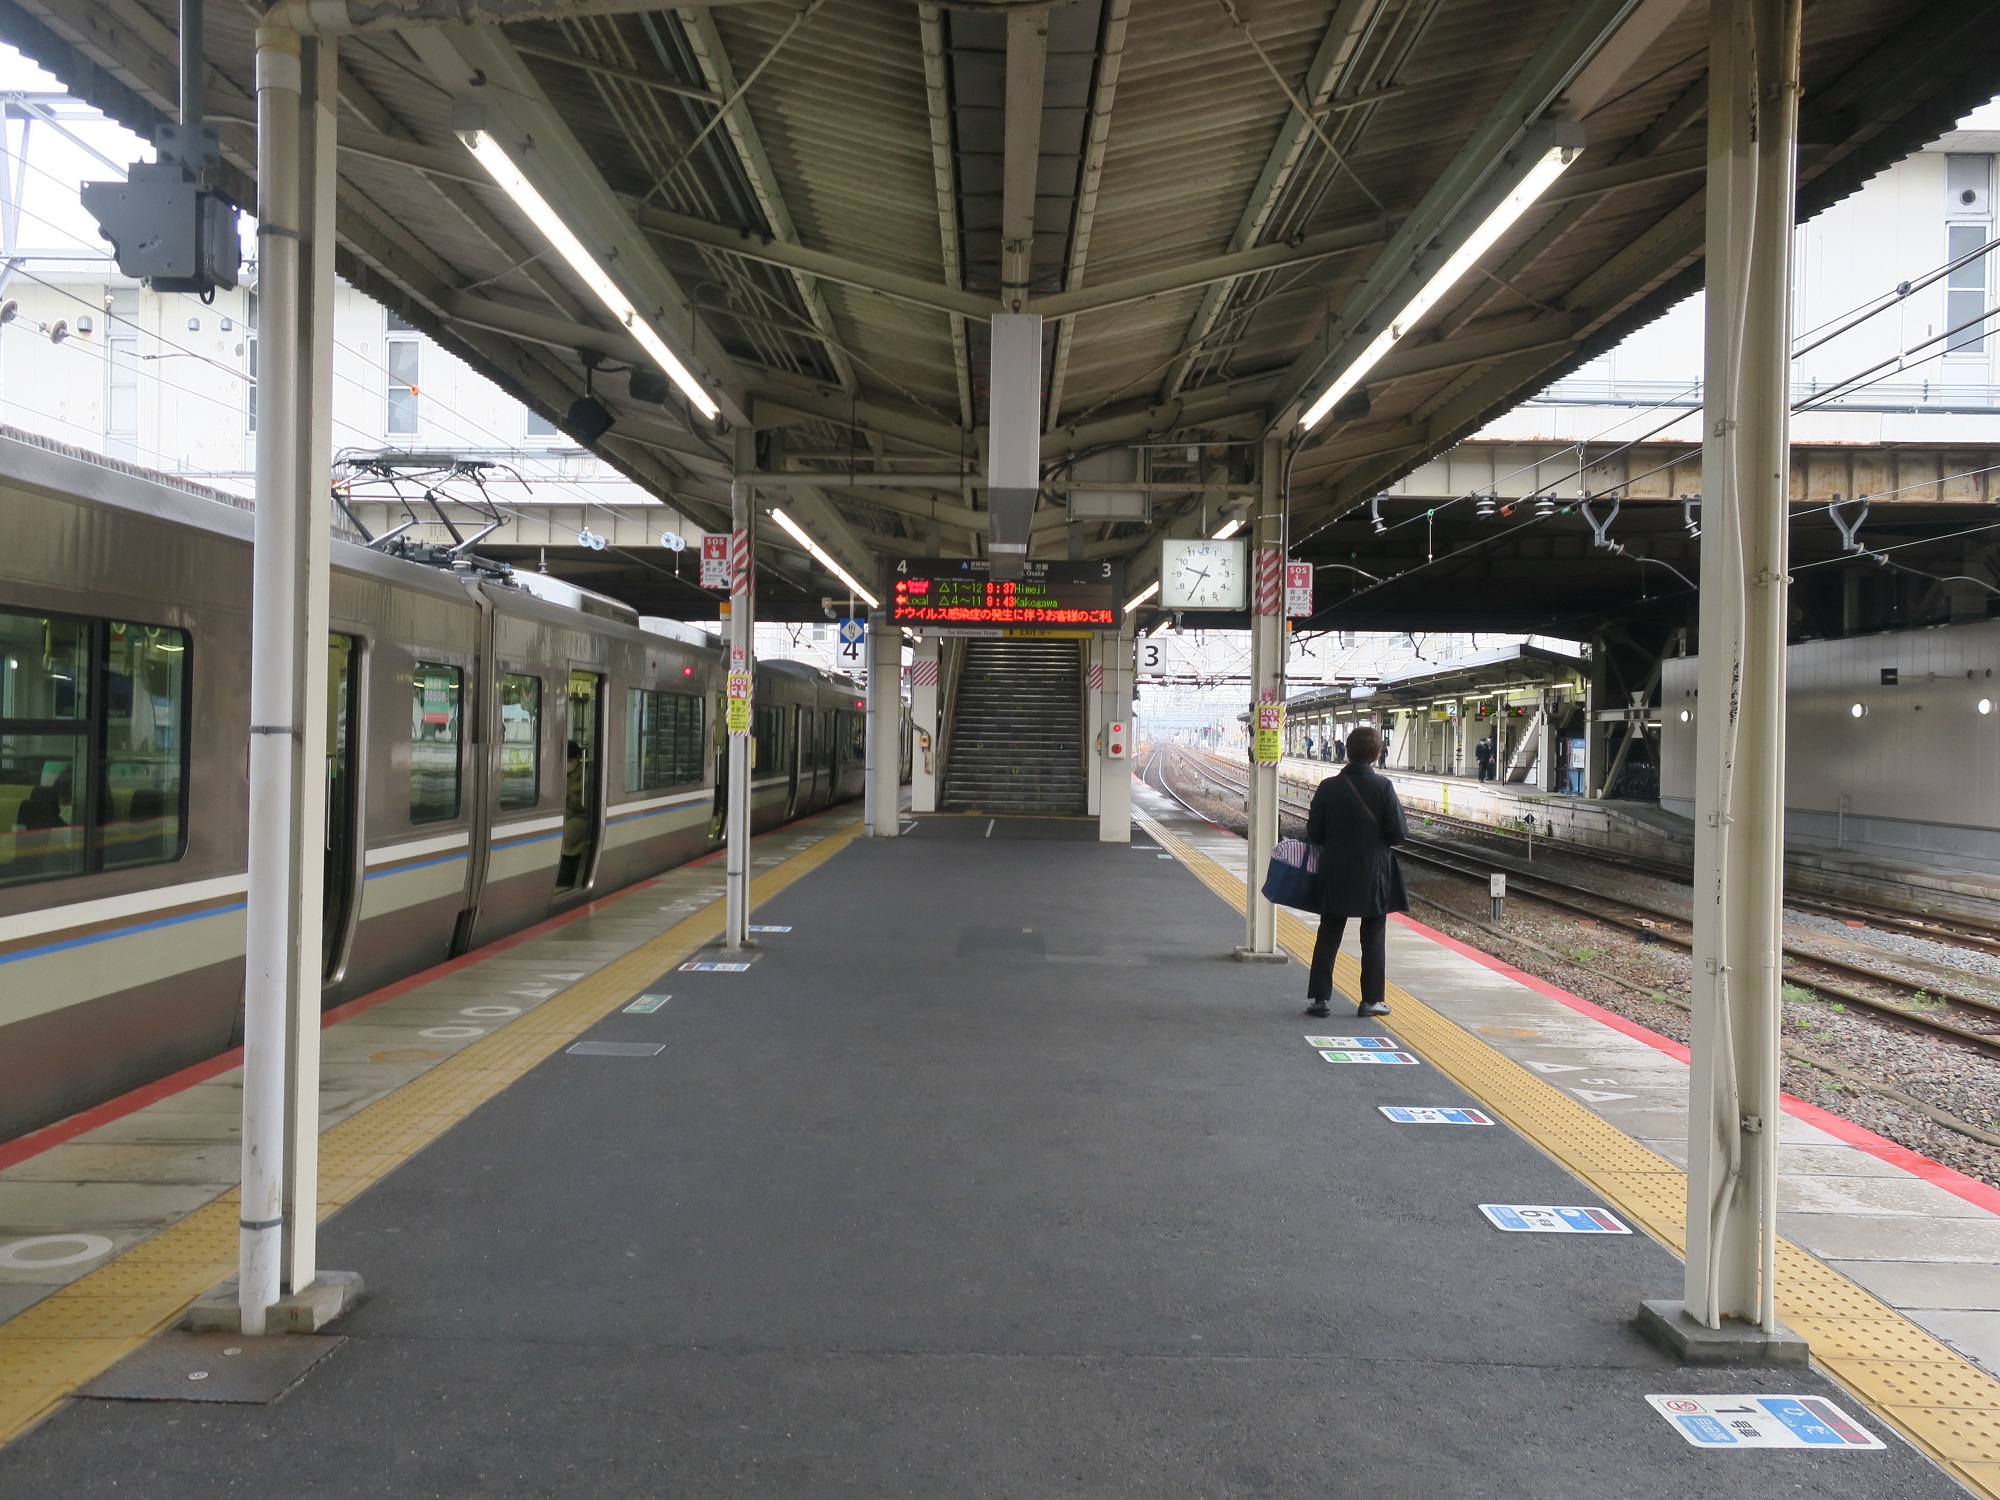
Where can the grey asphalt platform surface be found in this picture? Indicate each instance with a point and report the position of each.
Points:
(994, 1177)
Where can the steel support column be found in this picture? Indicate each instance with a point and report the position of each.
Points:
(1267, 688)
(926, 718)
(884, 810)
(742, 678)
(1114, 755)
(278, 561)
(1733, 1100)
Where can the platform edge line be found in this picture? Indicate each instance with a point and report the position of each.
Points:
(77, 1332)
(1940, 1402)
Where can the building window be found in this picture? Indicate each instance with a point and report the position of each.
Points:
(121, 393)
(535, 425)
(1965, 290)
(93, 750)
(520, 741)
(401, 347)
(434, 701)
(663, 743)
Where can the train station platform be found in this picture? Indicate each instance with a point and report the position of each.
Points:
(991, 1174)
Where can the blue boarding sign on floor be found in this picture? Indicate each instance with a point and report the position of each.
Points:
(712, 966)
(1367, 1055)
(1356, 1043)
(1427, 1114)
(770, 929)
(1543, 1218)
(645, 1005)
(1765, 1422)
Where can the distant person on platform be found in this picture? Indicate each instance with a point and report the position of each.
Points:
(1355, 822)
(1482, 751)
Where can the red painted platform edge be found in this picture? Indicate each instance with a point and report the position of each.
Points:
(1953, 1181)
(23, 1148)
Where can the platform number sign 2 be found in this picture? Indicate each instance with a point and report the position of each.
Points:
(848, 651)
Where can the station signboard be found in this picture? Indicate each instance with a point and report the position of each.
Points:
(943, 593)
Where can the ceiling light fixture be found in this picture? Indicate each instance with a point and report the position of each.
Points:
(489, 153)
(824, 558)
(1142, 596)
(1229, 529)
(1539, 179)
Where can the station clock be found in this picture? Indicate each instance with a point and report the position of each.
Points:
(1200, 573)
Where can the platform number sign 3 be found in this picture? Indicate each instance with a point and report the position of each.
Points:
(1152, 656)
(848, 653)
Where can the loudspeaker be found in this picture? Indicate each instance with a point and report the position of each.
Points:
(588, 420)
(648, 385)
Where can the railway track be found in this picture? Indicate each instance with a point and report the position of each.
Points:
(1657, 924)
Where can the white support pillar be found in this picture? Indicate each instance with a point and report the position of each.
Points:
(926, 704)
(1114, 741)
(885, 726)
(1096, 664)
(741, 680)
(1267, 691)
(277, 561)
(318, 157)
(1545, 751)
(1733, 1100)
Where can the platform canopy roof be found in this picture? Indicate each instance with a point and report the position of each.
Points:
(1501, 669)
(1211, 199)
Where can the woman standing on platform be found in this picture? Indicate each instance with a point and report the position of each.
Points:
(1355, 822)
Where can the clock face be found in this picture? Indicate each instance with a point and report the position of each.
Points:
(1201, 574)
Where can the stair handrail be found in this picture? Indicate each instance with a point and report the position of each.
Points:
(951, 667)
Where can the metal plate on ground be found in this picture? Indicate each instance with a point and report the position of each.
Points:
(1434, 1114)
(1342, 1055)
(1543, 1218)
(615, 1049)
(1356, 1043)
(1765, 1422)
(714, 966)
(645, 1005)
(179, 1366)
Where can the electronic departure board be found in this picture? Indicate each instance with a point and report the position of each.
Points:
(939, 591)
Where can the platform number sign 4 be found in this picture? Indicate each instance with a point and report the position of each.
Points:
(853, 638)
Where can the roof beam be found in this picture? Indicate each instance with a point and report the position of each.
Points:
(705, 41)
(1104, 94)
(478, 65)
(1351, 19)
(944, 178)
(1554, 67)
(1027, 73)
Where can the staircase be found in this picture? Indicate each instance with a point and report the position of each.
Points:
(1528, 749)
(1017, 730)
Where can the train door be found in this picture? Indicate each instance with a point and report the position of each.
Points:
(582, 805)
(718, 818)
(343, 802)
(792, 760)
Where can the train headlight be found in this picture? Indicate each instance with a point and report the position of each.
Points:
(1857, 710)
(1986, 705)
(1685, 716)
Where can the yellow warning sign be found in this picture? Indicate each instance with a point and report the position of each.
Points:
(1269, 747)
(739, 715)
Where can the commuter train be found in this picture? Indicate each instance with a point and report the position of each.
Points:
(499, 751)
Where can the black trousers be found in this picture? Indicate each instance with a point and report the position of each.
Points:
(1374, 958)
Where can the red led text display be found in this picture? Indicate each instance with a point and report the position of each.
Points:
(935, 591)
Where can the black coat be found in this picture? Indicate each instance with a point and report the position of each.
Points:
(1358, 872)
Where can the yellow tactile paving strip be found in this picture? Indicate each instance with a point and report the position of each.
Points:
(74, 1334)
(1944, 1404)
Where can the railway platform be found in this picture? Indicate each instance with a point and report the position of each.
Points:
(989, 1174)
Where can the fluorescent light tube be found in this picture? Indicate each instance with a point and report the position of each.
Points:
(825, 559)
(1142, 596)
(1229, 529)
(489, 153)
(1531, 187)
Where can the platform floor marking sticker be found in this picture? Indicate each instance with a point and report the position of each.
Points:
(616, 1049)
(1600, 1096)
(1342, 1055)
(710, 966)
(1542, 1218)
(1548, 1067)
(645, 1005)
(1764, 1422)
(770, 929)
(1429, 1114)
(1356, 1043)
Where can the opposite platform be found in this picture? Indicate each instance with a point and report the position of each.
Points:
(992, 1175)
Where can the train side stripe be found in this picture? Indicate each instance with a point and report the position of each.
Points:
(83, 940)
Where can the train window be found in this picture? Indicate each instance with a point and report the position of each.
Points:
(144, 695)
(663, 740)
(520, 741)
(857, 736)
(92, 745)
(434, 703)
(769, 730)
